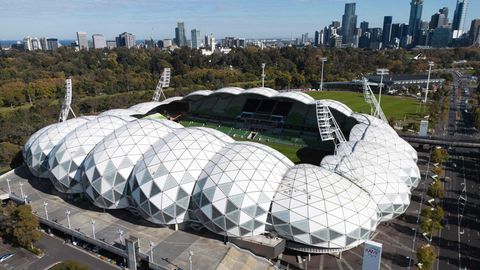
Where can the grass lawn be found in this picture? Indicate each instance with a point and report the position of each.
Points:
(393, 106)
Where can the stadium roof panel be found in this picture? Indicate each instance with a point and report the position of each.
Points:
(297, 96)
(336, 105)
(262, 91)
(229, 90)
(119, 112)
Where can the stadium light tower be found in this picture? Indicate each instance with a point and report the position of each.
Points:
(381, 72)
(164, 82)
(430, 65)
(323, 59)
(67, 103)
(263, 74)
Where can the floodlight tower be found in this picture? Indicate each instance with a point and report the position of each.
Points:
(430, 65)
(263, 75)
(381, 72)
(164, 82)
(66, 106)
(376, 109)
(323, 59)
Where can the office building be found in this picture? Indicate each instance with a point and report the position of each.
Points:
(126, 40)
(240, 43)
(364, 26)
(441, 37)
(459, 16)
(439, 19)
(364, 40)
(180, 37)
(196, 39)
(387, 31)
(167, 43)
(318, 41)
(228, 42)
(99, 41)
(43, 43)
(414, 23)
(52, 44)
(375, 38)
(349, 23)
(474, 33)
(304, 41)
(82, 41)
(111, 44)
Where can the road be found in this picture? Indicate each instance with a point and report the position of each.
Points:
(459, 241)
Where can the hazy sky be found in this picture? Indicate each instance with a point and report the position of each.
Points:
(157, 18)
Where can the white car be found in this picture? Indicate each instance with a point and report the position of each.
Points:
(6, 257)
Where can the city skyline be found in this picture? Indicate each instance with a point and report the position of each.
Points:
(269, 19)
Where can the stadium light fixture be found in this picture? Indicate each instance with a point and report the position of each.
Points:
(323, 59)
(430, 65)
(381, 72)
(263, 75)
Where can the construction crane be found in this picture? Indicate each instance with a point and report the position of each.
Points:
(164, 82)
(66, 106)
(375, 108)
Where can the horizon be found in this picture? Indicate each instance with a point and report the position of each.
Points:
(248, 19)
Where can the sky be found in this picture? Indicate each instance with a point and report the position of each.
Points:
(238, 18)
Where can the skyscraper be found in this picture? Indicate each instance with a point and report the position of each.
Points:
(180, 38)
(196, 39)
(387, 31)
(43, 43)
(99, 41)
(52, 44)
(349, 23)
(459, 18)
(416, 7)
(475, 32)
(126, 40)
(82, 41)
(364, 26)
(439, 19)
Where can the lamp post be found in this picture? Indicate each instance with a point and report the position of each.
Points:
(120, 233)
(45, 204)
(67, 212)
(263, 74)
(93, 228)
(323, 59)
(21, 190)
(25, 199)
(413, 247)
(9, 188)
(381, 72)
(430, 65)
(190, 254)
(151, 251)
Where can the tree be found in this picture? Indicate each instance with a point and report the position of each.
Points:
(69, 265)
(438, 171)
(25, 226)
(439, 155)
(426, 255)
(436, 190)
(7, 223)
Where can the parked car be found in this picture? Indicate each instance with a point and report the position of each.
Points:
(6, 257)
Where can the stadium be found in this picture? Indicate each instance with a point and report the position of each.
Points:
(218, 159)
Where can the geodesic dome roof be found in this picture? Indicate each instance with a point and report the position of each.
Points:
(371, 120)
(66, 157)
(389, 192)
(108, 166)
(381, 135)
(42, 142)
(394, 161)
(235, 190)
(119, 112)
(163, 180)
(320, 208)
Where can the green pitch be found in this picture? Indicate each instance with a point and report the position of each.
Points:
(393, 106)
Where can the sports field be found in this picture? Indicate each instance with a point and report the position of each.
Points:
(393, 106)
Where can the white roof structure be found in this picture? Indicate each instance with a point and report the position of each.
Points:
(234, 193)
(338, 106)
(145, 107)
(229, 90)
(163, 180)
(108, 166)
(371, 120)
(42, 142)
(297, 96)
(262, 91)
(381, 135)
(119, 112)
(396, 162)
(319, 208)
(199, 93)
(67, 156)
(389, 192)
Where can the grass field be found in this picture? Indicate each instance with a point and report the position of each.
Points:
(393, 106)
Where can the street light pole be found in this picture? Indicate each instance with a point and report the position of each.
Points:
(190, 254)
(381, 72)
(21, 190)
(45, 204)
(120, 232)
(9, 188)
(430, 65)
(151, 251)
(93, 228)
(263, 74)
(323, 59)
(67, 212)
(413, 247)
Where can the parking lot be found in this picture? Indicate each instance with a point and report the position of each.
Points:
(21, 260)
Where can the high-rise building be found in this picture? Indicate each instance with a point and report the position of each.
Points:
(196, 39)
(52, 44)
(240, 43)
(99, 41)
(180, 37)
(304, 40)
(82, 41)
(387, 31)
(349, 23)
(474, 33)
(441, 37)
(364, 26)
(375, 38)
(126, 40)
(439, 19)
(318, 41)
(111, 44)
(416, 7)
(459, 16)
(43, 43)
(36, 45)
